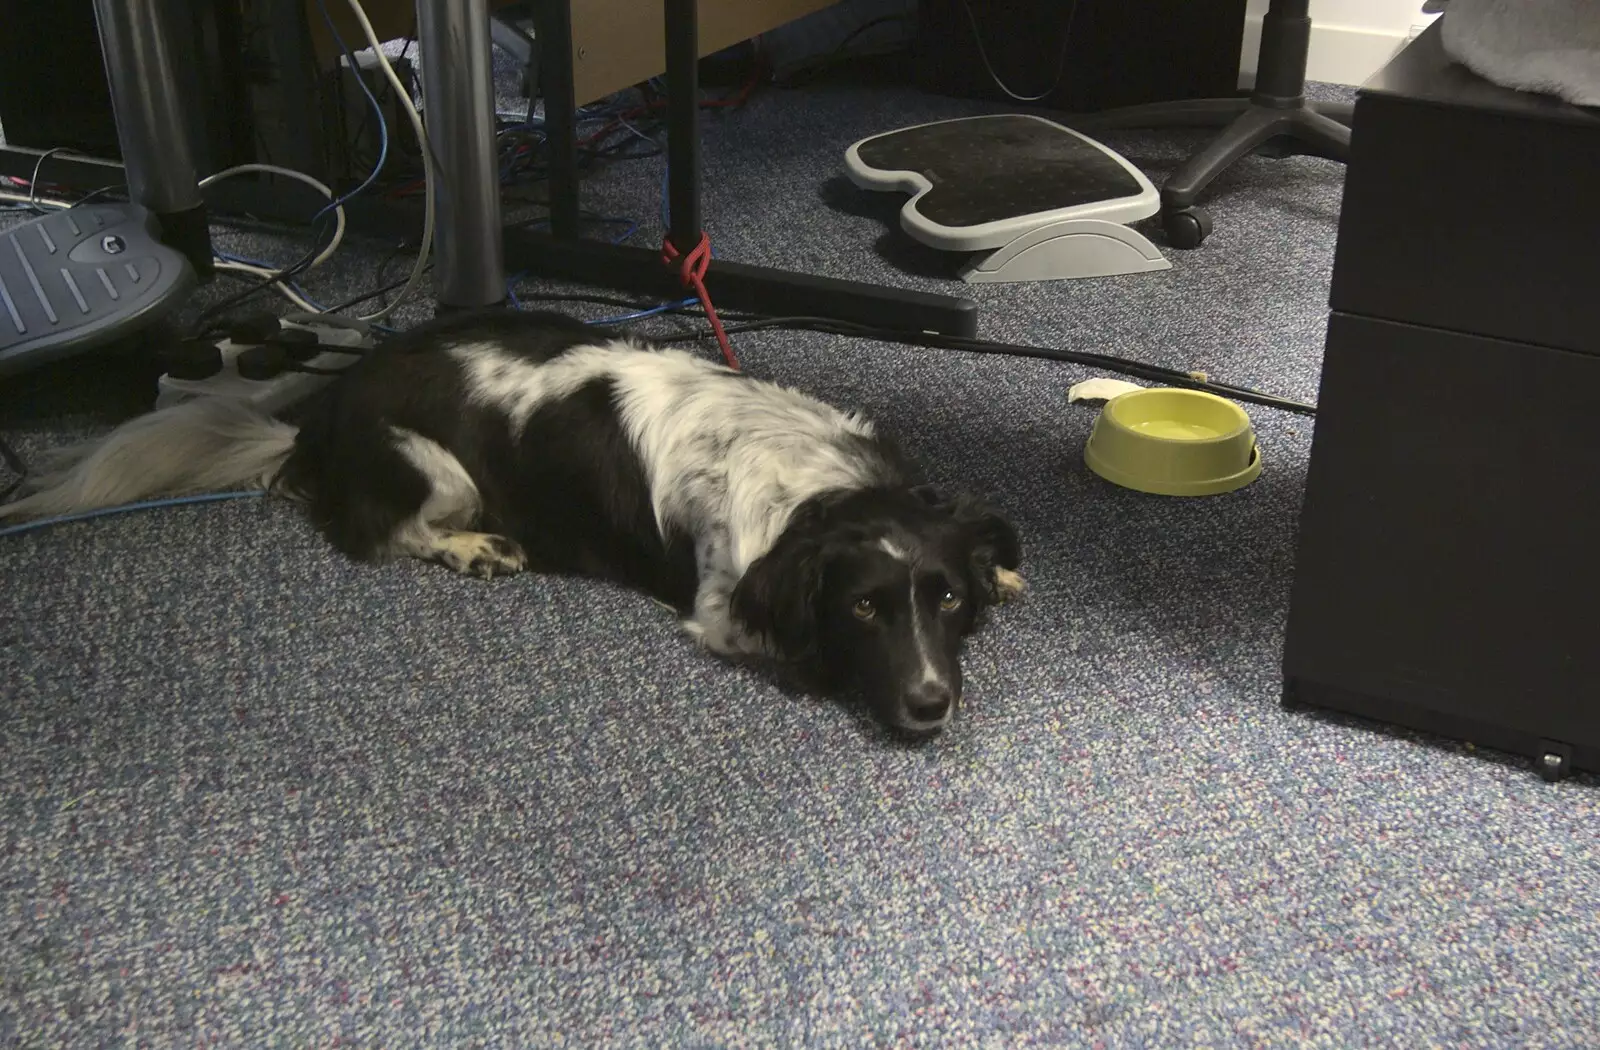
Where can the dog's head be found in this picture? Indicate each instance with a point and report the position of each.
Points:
(877, 590)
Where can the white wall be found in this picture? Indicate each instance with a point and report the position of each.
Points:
(1350, 39)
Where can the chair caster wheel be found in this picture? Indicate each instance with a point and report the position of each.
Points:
(1186, 228)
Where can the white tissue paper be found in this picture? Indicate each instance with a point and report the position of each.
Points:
(1100, 390)
(1548, 46)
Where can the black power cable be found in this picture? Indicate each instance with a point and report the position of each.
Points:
(340, 308)
(931, 340)
(206, 321)
(1104, 362)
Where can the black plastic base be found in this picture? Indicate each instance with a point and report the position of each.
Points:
(1552, 760)
(740, 287)
(189, 232)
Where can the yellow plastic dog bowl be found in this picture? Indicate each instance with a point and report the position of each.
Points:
(1174, 442)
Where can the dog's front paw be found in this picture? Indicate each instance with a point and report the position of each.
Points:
(1008, 586)
(479, 554)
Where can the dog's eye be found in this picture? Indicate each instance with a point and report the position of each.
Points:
(865, 609)
(949, 603)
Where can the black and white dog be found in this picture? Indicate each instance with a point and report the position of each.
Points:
(494, 443)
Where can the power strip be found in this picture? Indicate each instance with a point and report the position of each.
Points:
(274, 394)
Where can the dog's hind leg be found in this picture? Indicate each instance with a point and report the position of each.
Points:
(380, 492)
(441, 529)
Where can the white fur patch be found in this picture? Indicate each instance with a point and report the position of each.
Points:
(518, 387)
(453, 501)
(919, 632)
(203, 445)
(728, 459)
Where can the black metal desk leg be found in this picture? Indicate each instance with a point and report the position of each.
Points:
(566, 256)
(152, 127)
(458, 72)
(683, 123)
(554, 27)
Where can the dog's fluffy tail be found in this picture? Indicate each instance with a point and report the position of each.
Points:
(204, 445)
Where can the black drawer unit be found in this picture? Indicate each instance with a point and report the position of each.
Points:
(1448, 573)
(1471, 207)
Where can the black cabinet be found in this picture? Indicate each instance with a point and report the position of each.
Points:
(1448, 574)
(1080, 55)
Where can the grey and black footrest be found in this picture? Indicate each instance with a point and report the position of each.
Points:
(1045, 202)
(81, 278)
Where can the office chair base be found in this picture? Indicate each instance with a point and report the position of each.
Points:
(1276, 119)
(1187, 226)
(1198, 113)
(1249, 125)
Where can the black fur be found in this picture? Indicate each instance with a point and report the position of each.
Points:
(574, 494)
(801, 593)
(571, 491)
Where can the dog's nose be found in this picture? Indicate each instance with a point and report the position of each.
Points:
(929, 702)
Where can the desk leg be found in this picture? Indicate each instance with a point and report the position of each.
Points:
(683, 123)
(469, 272)
(152, 127)
(554, 26)
(563, 255)
(458, 75)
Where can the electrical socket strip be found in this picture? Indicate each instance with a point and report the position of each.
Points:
(269, 395)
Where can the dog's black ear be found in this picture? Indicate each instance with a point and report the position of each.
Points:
(778, 595)
(991, 543)
(994, 539)
(986, 532)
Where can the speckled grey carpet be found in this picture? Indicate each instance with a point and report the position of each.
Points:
(255, 796)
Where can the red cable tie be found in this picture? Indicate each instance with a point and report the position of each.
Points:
(692, 271)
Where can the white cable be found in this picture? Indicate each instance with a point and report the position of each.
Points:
(261, 271)
(1061, 62)
(23, 198)
(221, 264)
(428, 174)
(290, 173)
